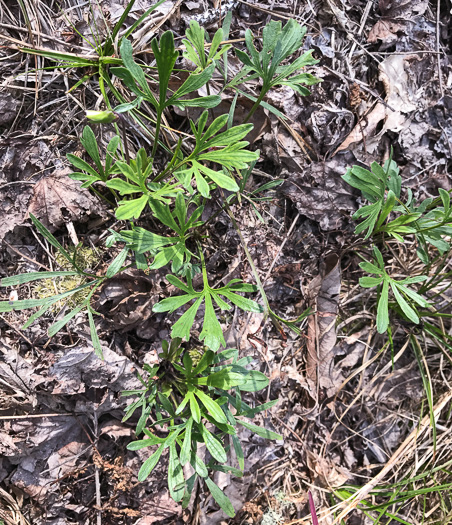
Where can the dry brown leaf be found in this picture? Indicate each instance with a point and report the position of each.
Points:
(399, 97)
(329, 474)
(365, 129)
(385, 30)
(402, 9)
(57, 199)
(395, 17)
(398, 88)
(320, 193)
(323, 293)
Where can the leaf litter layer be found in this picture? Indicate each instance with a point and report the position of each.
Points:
(366, 422)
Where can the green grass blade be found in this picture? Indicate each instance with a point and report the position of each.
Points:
(33, 276)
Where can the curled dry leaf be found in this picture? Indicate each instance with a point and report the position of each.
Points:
(318, 193)
(57, 200)
(400, 98)
(323, 293)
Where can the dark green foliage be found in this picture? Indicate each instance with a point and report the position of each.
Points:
(195, 399)
(191, 397)
(394, 215)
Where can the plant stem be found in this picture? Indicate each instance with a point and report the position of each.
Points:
(102, 196)
(256, 104)
(124, 139)
(157, 133)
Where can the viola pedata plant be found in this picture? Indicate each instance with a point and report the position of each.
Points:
(192, 399)
(196, 397)
(392, 215)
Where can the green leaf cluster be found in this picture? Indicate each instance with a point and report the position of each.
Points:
(388, 214)
(226, 149)
(405, 297)
(192, 404)
(381, 186)
(165, 53)
(212, 333)
(195, 46)
(278, 43)
(190, 397)
(87, 174)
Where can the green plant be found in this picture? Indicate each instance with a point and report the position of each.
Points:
(391, 216)
(430, 221)
(388, 501)
(197, 395)
(405, 297)
(277, 44)
(191, 397)
(195, 46)
(212, 332)
(88, 174)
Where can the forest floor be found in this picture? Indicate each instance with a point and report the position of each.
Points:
(353, 410)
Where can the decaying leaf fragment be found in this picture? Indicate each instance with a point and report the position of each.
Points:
(57, 199)
(323, 293)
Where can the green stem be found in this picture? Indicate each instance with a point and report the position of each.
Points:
(124, 139)
(203, 266)
(256, 104)
(157, 132)
(170, 170)
(102, 196)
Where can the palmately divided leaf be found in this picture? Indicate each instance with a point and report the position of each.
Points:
(211, 334)
(141, 240)
(170, 304)
(277, 44)
(181, 328)
(123, 187)
(222, 180)
(193, 83)
(232, 156)
(131, 209)
(243, 302)
(231, 136)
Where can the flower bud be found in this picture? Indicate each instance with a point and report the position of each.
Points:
(101, 117)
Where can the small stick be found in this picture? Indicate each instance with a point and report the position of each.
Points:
(28, 258)
(96, 476)
(361, 27)
(292, 226)
(438, 11)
